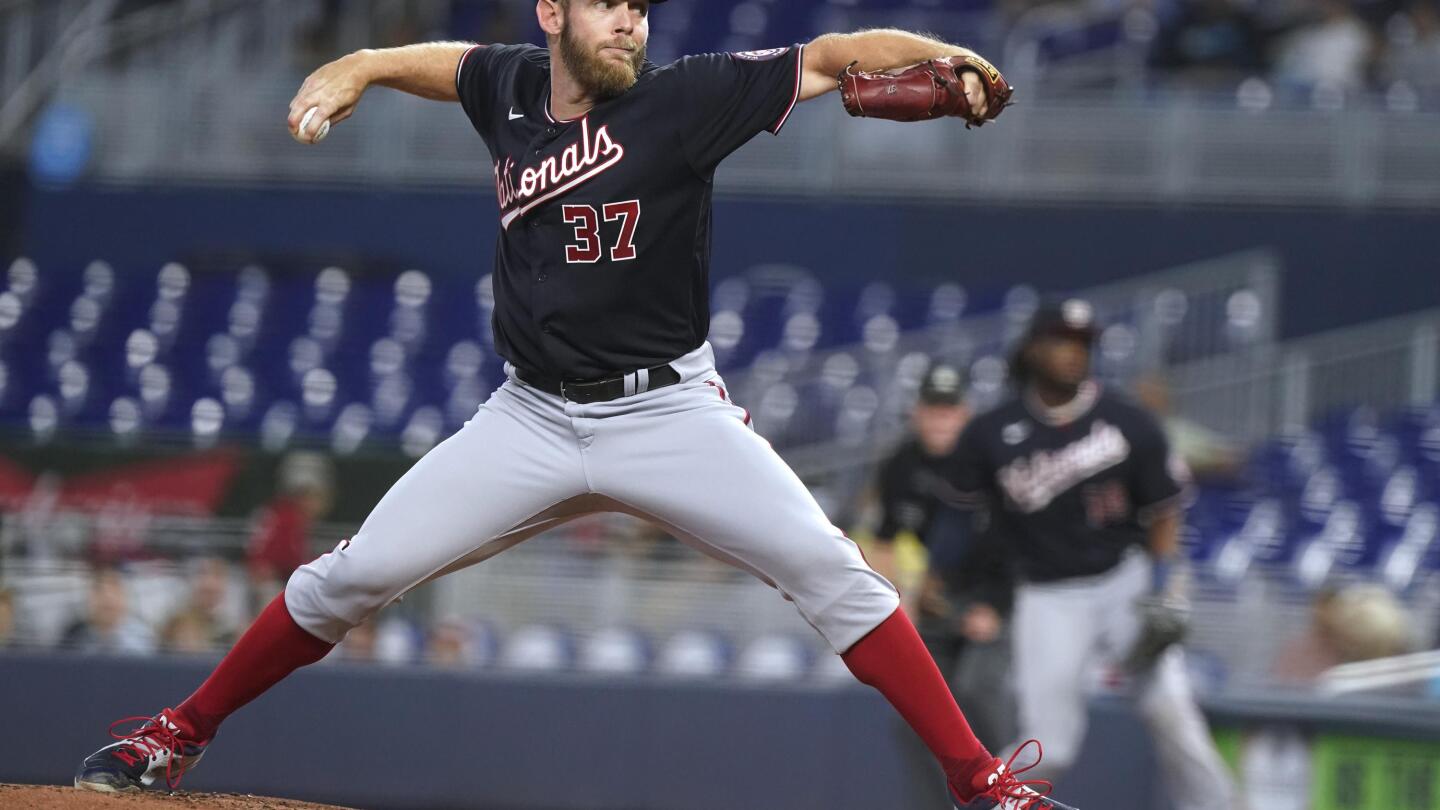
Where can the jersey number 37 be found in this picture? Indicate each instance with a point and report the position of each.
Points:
(587, 248)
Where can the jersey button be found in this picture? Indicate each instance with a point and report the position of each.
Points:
(551, 131)
(542, 277)
(548, 329)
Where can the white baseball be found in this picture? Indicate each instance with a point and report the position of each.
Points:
(305, 126)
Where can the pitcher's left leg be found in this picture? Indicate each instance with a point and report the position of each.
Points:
(694, 466)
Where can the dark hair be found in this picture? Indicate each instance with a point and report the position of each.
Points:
(1018, 367)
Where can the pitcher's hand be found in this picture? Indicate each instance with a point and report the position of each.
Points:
(333, 91)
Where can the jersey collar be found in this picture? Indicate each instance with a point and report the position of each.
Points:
(550, 117)
(1060, 415)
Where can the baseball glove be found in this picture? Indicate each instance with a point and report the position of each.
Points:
(1164, 622)
(924, 92)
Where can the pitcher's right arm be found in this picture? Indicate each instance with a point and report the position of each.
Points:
(427, 70)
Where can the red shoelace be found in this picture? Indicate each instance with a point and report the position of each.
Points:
(1009, 786)
(146, 740)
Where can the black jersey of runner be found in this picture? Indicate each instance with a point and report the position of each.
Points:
(602, 265)
(1067, 499)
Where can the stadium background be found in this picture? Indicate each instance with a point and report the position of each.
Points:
(216, 345)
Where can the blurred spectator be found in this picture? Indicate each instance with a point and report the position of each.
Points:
(1212, 458)
(1210, 42)
(1414, 55)
(1314, 651)
(1356, 623)
(7, 619)
(108, 626)
(122, 526)
(1330, 49)
(1370, 623)
(381, 641)
(188, 633)
(359, 644)
(450, 645)
(202, 623)
(280, 543)
(43, 528)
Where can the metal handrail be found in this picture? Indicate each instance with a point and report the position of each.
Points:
(1381, 673)
(34, 88)
(1271, 388)
(1258, 270)
(92, 36)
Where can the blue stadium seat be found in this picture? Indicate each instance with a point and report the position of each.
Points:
(1261, 538)
(614, 651)
(855, 415)
(772, 659)
(423, 430)
(831, 671)
(288, 352)
(536, 649)
(775, 412)
(1404, 556)
(279, 425)
(693, 654)
(207, 420)
(351, 429)
(44, 417)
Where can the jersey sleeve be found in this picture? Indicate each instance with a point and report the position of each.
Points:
(481, 71)
(1157, 476)
(726, 99)
(888, 487)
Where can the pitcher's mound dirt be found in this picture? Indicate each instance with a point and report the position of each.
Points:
(47, 797)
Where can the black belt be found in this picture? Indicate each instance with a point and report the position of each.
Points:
(586, 392)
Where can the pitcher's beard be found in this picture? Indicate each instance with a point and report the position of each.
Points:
(602, 77)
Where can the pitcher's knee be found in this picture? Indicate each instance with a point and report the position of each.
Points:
(338, 591)
(846, 603)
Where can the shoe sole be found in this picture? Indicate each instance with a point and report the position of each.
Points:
(100, 787)
(131, 787)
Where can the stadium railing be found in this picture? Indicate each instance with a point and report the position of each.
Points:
(1263, 390)
(166, 123)
(1208, 309)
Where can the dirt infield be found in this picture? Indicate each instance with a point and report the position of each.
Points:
(47, 797)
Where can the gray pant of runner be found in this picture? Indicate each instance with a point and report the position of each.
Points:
(682, 456)
(1063, 628)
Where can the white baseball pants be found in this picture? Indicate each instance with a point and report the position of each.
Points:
(683, 457)
(1063, 629)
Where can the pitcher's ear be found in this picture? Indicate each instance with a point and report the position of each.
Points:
(551, 15)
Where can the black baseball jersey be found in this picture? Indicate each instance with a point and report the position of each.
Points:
(912, 485)
(1067, 497)
(603, 260)
(916, 495)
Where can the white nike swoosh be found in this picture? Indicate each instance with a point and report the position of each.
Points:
(514, 115)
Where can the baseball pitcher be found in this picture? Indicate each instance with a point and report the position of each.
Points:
(603, 165)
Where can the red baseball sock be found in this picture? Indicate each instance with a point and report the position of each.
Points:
(893, 659)
(272, 648)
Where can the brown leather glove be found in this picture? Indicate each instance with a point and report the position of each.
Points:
(924, 92)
